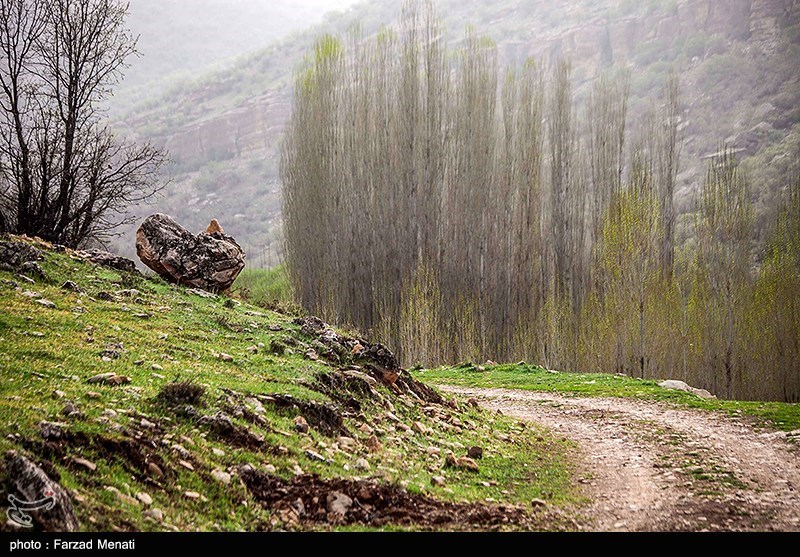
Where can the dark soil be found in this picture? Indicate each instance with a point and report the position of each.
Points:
(379, 504)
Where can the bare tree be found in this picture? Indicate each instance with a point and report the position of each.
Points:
(63, 175)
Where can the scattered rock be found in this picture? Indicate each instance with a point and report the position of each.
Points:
(154, 470)
(217, 452)
(374, 444)
(300, 424)
(681, 386)
(109, 379)
(191, 494)
(225, 357)
(106, 259)
(127, 499)
(221, 476)
(156, 367)
(419, 427)
(14, 254)
(105, 296)
(145, 499)
(32, 269)
(51, 431)
(71, 287)
(270, 468)
(473, 402)
(314, 455)
(46, 303)
(463, 463)
(70, 410)
(186, 464)
(536, 503)
(435, 451)
(155, 514)
(475, 452)
(438, 481)
(253, 349)
(338, 504)
(361, 464)
(28, 482)
(347, 443)
(207, 261)
(89, 465)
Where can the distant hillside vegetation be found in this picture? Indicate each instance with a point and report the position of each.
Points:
(737, 64)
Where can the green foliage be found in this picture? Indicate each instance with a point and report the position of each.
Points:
(265, 287)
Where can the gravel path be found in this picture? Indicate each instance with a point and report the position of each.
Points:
(647, 466)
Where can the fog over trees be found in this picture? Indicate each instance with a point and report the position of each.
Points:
(466, 211)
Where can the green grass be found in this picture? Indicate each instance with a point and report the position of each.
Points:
(777, 415)
(165, 333)
(265, 287)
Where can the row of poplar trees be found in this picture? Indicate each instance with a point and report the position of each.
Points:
(458, 213)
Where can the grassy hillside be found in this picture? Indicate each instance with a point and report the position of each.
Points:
(163, 408)
(202, 411)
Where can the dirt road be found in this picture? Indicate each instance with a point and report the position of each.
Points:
(646, 466)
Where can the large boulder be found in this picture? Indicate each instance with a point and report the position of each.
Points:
(210, 261)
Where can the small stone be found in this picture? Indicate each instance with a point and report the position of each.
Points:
(466, 463)
(101, 378)
(144, 498)
(435, 451)
(270, 468)
(374, 444)
(105, 296)
(191, 494)
(186, 464)
(89, 465)
(221, 476)
(154, 470)
(338, 503)
(46, 303)
(93, 394)
(392, 417)
(475, 452)
(147, 424)
(70, 286)
(314, 455)
(366, 428)
(347, 442)
(300, 424)
(361, 464)
(419, 427)
(253, 349)
(297, 471)
(155, 514)
(217, 452)
(225, 357)
(536, 503)
(156, 367)
(122, 497)
(59, 394)
(109, 412)
(472, 402)
(437, 481)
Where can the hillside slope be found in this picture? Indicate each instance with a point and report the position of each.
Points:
(737, 67)
(157, 407)
(161, 408)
